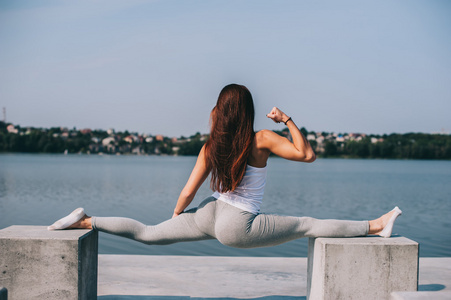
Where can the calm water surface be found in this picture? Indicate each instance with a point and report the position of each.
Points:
(38, 189)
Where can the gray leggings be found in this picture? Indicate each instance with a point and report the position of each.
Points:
(215, 219)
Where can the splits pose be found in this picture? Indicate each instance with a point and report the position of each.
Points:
(235, 156)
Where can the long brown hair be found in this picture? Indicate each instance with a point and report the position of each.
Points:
(231, 137)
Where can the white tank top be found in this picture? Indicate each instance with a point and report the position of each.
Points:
(248, 195)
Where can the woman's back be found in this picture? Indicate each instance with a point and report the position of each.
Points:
(248, 195)
(259, 155)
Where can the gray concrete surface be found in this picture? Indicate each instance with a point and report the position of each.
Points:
(361, 268)
(141, 277)
(202, 277)
(28, 252)
(39, 264)
(446, 295)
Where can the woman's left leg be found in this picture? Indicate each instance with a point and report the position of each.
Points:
(286, 228)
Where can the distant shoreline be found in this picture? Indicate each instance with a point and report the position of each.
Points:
(176, 155)
(15, 139)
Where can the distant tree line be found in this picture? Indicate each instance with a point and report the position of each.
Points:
(58, 140)
(393, 146)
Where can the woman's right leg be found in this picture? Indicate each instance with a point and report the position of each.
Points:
(182, 228)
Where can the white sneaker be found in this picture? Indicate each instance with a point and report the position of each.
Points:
(69, 220)
(386, 232)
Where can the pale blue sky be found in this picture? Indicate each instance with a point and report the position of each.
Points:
(157, 66)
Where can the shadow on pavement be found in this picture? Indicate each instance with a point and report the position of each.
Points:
(431, 287)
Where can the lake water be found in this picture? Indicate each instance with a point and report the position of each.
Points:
(38, 189)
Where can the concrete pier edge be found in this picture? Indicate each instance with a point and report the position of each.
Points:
(361, 268)
(39, 264)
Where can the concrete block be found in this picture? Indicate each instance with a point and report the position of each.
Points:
(3, 293)
(361, 268)
(442, 295)
(39, 264)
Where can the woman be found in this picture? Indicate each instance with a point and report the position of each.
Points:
(236, 157)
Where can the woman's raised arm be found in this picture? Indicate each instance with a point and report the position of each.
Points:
(198, 175)
(298, 150)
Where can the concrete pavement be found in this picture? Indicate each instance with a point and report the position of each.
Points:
(140, 277)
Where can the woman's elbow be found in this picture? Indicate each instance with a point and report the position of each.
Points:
(308, 157)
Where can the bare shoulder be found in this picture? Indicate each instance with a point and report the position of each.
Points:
(265, 134)
(260, 138)
(260, 153)
(264, 138)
